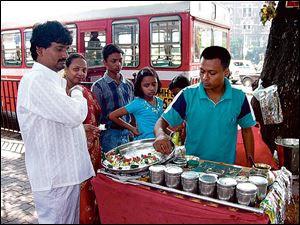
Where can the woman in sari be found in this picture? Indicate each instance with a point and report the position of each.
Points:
(76, 72)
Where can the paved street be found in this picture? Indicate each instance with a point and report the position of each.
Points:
(17, 205)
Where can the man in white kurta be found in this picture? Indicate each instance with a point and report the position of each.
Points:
(56, 154)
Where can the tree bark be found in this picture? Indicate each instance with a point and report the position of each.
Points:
(281, 67)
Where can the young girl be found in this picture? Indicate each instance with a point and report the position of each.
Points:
(146, 107)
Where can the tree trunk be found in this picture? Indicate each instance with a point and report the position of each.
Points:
(281, 67)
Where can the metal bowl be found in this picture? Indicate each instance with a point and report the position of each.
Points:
(261, 168)
(192, 157)
(180, 162)
(288, 154)
(133, 149)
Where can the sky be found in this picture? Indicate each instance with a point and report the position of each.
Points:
(34, 10)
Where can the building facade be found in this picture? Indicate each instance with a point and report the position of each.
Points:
(248, 37)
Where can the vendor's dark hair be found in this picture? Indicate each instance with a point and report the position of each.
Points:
(110, 49)
(146, 71)
(217, 52)
(73, 56)
(46, 33)
(179, 81)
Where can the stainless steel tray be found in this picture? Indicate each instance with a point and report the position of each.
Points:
(135, 181)
(133, 149)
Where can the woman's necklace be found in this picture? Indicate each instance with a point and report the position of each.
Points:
(152, 102)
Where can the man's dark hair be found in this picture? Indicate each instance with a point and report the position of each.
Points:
(73, 56)
(179, 81)
(46, 33)
(147, 71)
(110, 49)
(217, 52)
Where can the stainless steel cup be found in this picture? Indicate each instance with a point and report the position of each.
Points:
(246, 193)
(189, 181)
(157, 174)
(172, 176)
(226, 188)
(207, 184)
(262, 186)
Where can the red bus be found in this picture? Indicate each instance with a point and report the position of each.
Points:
(168, 37)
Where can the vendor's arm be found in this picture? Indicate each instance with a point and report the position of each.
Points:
(162, 142)
(116, 115)
(172, 116)
(248, 139)
(246, 121)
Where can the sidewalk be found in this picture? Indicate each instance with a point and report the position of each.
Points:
(17, 205)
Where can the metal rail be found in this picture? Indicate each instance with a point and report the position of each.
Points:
(9, 89)
(9, 92)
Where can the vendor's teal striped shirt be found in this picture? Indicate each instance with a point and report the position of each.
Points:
(211, 129)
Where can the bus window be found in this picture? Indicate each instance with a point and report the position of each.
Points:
(202, 38)
(73, 29)
(165, 41)
(11, 48)
(27, 36)
(94, 43)
(220, 37)
(126, 35)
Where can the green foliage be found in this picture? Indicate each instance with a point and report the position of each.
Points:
(267, 12)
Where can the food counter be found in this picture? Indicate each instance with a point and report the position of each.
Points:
(121, 202)
(127, 192)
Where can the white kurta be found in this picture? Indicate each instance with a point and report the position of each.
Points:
(50, 121)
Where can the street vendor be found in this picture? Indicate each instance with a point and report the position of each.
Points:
(212, 109)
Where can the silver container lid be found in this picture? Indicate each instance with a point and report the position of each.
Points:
(246, 187)
(258, 180)
(173, 170)
(208, 178)
(157, 168)
(227, 181)
(190, 175)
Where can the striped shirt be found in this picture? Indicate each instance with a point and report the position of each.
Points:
(112, 96)
(50, 121)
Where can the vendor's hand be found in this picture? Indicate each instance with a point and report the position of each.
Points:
(135, 131)
(163, 144)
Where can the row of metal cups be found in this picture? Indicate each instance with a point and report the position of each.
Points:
(244, 191)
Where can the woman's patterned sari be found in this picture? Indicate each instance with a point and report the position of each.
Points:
(88, 205)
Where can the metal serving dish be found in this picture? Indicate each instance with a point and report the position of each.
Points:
(134, 149)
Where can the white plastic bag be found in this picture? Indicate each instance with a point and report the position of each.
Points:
(269, 103)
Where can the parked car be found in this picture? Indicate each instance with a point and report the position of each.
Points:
(243, 71)
(248, 79)
(234, 73)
